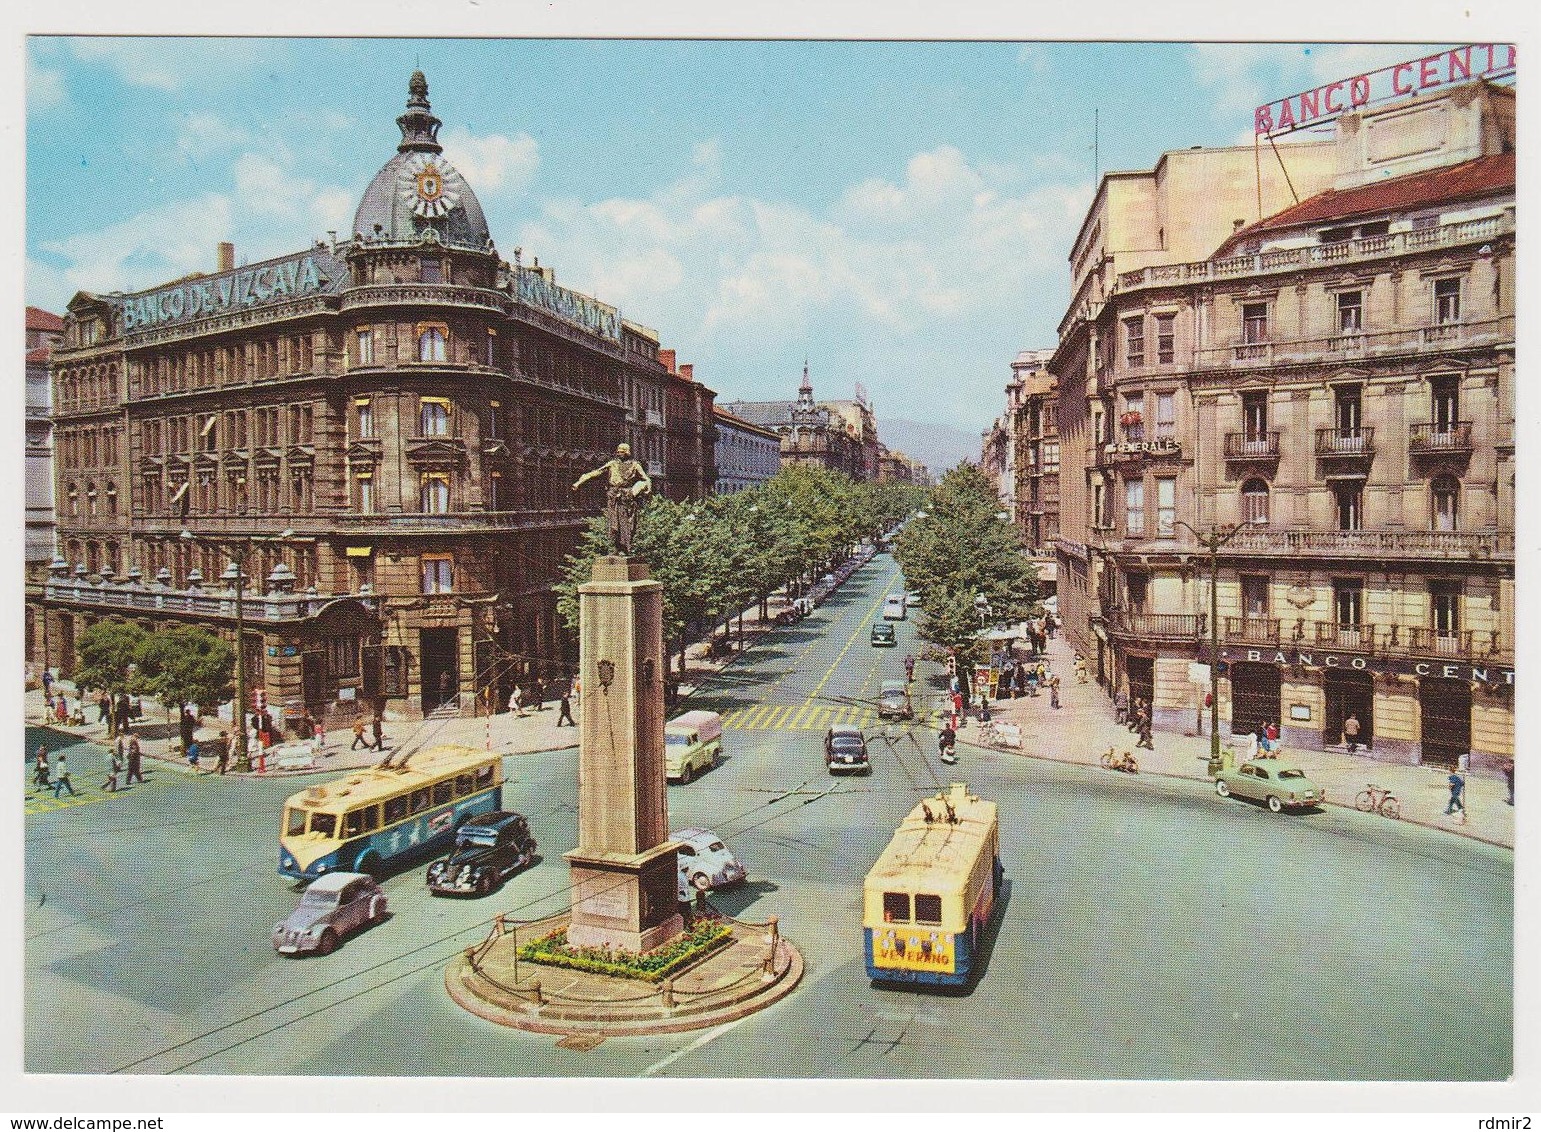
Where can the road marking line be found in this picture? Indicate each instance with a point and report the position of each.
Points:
(862, 624)
(709, 1036)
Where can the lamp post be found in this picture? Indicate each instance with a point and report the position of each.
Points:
(235, 573)
(1212, 542)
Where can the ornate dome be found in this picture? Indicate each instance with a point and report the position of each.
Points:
(418, 190)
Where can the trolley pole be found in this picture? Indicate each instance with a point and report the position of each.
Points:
(1212, 542)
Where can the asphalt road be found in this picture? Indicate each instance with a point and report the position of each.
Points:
(1150, 930)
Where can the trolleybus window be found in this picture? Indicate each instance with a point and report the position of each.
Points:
(463, 784)
(395, 809)
(928, 909)
(484, 775)
(359, 821)
(296, 823)
(324, 824)
(420, 800)
(442, 791)
(896, 907)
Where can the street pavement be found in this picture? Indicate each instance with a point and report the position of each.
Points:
(1148, 929)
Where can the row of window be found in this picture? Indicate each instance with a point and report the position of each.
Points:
(82, 387)
(217, 432)
(183, 370)
(87, 447)
(179, 557)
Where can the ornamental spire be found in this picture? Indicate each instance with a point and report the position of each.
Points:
(419, 128)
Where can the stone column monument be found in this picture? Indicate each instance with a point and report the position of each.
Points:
(623, 870)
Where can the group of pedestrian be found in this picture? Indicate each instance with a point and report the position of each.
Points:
(376, 740)
(523, 700)
(1138, 720)
(53, 774)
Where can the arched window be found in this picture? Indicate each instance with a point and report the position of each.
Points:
(1254, 502)
(112, 498)
(430, 344)
(73, 494)
(435, 493)
(1445, 497)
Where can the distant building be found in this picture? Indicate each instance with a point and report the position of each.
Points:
(1033, 404)
(839, 435)
(747, 455)
(896, 467)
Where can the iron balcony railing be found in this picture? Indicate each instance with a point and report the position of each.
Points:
(1407, 340)
(1374, 544)
(1355, 442)
(1294, 259)
(1252, 445)
(1252, 630)
(220, 603)
(1157, 626)
(356, 524)
(1438, 437)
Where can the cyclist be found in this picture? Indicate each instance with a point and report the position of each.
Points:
(947, 745)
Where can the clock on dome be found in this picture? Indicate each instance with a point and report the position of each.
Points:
(431, 186)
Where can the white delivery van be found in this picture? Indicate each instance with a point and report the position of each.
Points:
(691, 744)
(893, 607)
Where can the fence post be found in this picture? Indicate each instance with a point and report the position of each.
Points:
(535, 990)
(667, 991)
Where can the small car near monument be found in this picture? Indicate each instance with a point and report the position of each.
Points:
(335, 905)
(488, 850)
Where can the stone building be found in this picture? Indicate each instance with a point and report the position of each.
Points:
(384, 429)
(44, 329)
(747, 455)
(1330, 389)
(897, 467)
(839, 435)
(1033, 407)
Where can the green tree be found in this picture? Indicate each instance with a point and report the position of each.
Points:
(108, 654)
(186, 665)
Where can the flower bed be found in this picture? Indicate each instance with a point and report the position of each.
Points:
(650, 966)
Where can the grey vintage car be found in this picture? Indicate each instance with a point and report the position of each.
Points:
(332, 907)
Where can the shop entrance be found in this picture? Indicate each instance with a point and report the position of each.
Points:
(1445, 710)
(441, 668)
(1254, 697)
(1348, 693)
(1142, 679)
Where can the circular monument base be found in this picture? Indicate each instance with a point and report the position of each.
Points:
(756, 969)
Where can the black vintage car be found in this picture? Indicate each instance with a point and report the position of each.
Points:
(488, 850)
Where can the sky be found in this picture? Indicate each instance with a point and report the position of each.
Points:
(898, 214)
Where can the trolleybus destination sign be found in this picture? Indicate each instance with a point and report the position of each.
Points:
(1454, 65)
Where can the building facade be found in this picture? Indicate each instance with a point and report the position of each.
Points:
(839, 435)
(44, 330)
(1328, 394)
(747, 455)
(897, 467)
(1033, 406)
(384, 430)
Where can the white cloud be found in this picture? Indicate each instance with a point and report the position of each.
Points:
(202, 135)
(152, 247)
(45, 87)
(493, 164)
(163, 63)
(139, 62)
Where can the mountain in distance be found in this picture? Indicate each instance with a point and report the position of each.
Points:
(937, 446)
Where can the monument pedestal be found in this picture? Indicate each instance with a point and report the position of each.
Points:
(625, 891)
(627, 902)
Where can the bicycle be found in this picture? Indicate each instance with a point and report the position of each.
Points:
(1377, 799)
(1125, 762)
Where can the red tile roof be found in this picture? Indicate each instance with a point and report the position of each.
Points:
(1482, 177)
(39, 356)
(39, 319)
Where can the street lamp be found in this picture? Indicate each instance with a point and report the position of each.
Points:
(1212, 542)
(235, 573)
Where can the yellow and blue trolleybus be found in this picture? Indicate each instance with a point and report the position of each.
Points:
(929, 899)
(366, 821)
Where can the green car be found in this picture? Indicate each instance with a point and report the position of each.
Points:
(883, 635)
(1277, 784)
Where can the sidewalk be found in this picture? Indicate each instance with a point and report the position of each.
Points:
(1083, 728)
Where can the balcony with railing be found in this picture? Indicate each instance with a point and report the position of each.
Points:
(1318, 255)
(158, 597)
(1252, 630)
(1252, 445)
(1413, 341)
(1470, 645)
(1157, 626)
(355, 523)
(1357, 443)
(1373, 544)
(1440, 438)
(1413, 642)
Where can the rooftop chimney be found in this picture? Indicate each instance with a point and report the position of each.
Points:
(667, 358)
(225, 256)
(688, 372)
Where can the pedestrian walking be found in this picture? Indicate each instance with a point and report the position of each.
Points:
(223, 762)
(1080, 669)
(48, 684)
(1050, 624)
(321, 739)
(194, 751)
(1121, 706)
(135, 761)
(1032, 681)
(565, 718)
(1351, 732)
(1457, 788)
(358, 734)
(909, 669)
(1509, 781)
(114, 768)
(40, 769)
(62, 777)
(516, 701)
(1054, 691)
(957, 702)
(378, 727)
(1143, 723)
(984, 706)
(1134, 717)
(123, 712)
(103, 707)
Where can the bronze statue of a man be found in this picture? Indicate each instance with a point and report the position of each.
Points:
(629, 485)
